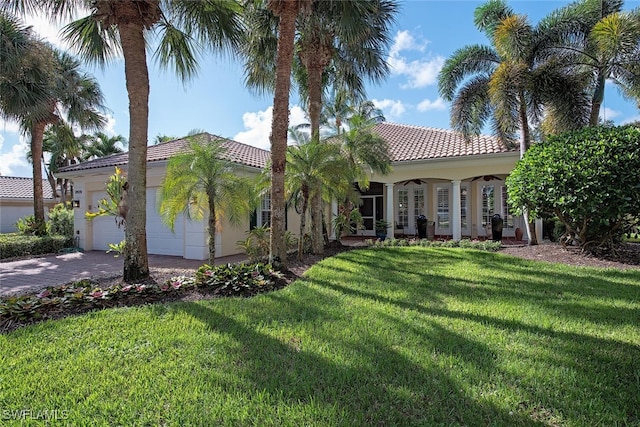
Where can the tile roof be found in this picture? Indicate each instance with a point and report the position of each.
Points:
(407, 143)
(237, 152)
(13, 187)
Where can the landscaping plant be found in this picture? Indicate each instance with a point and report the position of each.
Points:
(588, 179)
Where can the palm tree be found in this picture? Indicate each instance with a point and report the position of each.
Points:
(26, 66)
(64, 149)
(201, 182)
(283, 33)
(101, 145)
(70, 95)
(183, 27)
(312, 168)
(598, 38)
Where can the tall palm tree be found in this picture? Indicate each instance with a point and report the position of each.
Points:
(598, 38)
(26, 66)
(101, 145)
(285, 12)
(71, 96)
(183, 27)
(312, 168)
(504, 82)
(199, 183)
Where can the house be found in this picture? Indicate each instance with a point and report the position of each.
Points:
(16, 200)
(456, 184)
(189, 238)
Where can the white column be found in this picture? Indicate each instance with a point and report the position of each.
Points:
(456, 229)
(539, 230)
(390, 217)
(334, 214)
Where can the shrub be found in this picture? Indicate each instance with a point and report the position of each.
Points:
(28, 226)
(588, 179)
(21, 245)
(256, 245)
(61, 220)
(487, 245)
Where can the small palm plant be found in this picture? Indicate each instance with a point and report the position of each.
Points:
(201, 183)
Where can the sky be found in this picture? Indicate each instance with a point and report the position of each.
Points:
(425, 34)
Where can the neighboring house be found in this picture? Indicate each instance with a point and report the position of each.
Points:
(16, 200)
(189, 238)
(456, 184)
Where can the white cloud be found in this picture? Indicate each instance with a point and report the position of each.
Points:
(44, 28)
(633, 119)
(419, 72)
(9, 126)
(258, 126)
(16, 157)
(109, 128)
(405, 41)
(428, 105)
(607, 113)
(391, 109)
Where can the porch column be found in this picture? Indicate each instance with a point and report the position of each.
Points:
(456, 215)
(334, 214)
(390, 218)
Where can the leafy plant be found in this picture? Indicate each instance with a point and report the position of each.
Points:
(588, 179)
(61, 220)
(28, 226)
(118, 248)
(114, 205)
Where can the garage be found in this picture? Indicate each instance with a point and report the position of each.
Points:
(160, 239)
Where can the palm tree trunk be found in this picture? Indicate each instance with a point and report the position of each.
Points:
(279, 128)
(303, 220)
(525, 141)
(596, 100)
(136, 264)
(211, 227)
(37, 136)
(317, 240)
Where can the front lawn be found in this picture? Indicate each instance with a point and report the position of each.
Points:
(388, 336)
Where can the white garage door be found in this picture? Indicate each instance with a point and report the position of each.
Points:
(160, 239)
(105, 230)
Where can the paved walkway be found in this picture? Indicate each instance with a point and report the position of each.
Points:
(37, 273)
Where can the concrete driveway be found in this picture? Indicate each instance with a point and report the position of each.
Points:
(36, 273)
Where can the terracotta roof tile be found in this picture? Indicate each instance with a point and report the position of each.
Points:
(12, 187)
(407, 143)
(237, 152)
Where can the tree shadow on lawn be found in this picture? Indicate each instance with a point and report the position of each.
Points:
(605, 369)
(360, 381)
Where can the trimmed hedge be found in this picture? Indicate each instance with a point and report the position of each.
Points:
(18, 245)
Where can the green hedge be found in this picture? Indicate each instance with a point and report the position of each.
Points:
(18, 245)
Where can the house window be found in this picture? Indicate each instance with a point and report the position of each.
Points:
(442, 221)
(264, 216)
(403, 208)
(488, 198)
(418, 202)
(507, 215)
(463, 207)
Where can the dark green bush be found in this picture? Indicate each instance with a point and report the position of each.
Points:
(589, 179)
(61, 220)
(17, 245)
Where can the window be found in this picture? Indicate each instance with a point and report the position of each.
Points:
(265, 211)
(507, 216)
(488, 199)
(418, 202)
(403, 208)
(443, 207)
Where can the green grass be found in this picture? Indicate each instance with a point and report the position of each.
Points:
(394, 336)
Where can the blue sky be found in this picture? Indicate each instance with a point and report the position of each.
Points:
(426, 33)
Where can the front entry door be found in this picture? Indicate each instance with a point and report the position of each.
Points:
(371, 210)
